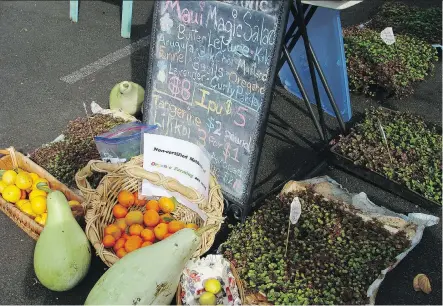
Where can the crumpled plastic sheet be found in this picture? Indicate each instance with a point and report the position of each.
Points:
(363, 203)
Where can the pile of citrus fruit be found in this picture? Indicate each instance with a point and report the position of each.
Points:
(134, 229)
(20, 188)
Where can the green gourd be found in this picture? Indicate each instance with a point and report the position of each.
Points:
(127, 96)
(62, 254)
(147, 276)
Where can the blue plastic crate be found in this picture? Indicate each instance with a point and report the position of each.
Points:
(325, 34)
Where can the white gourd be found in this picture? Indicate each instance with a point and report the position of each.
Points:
(147, 276)
(62, 254)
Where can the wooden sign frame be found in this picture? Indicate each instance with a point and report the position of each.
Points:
(240, 207)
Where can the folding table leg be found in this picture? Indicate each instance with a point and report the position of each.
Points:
(126, 18)
(328, 90)
(320, 130)
(304, 34)
(73, 10)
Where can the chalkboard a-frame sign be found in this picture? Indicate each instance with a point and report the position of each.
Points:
(210, 79)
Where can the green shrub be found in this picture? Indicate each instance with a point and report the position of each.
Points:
(423, 23)
(374, 66)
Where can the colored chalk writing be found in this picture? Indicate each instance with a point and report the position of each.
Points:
(209, 79)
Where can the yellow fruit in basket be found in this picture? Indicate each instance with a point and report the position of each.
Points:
(167, 205)
(73, 203)
(44, 218)
(38, 205)
(213, 285)
(41, 219)
(21, 203)
(34, 176)
(9, 177)
(23, 181)
(11, 193)
(36, 193)
(26, 208)
(2, 186)
(39, 180)
(207, 298)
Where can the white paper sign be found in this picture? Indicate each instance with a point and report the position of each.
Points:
(179, 159)
(387, 35)
(295, 210)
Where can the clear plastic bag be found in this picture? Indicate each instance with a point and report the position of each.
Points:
(122, 142)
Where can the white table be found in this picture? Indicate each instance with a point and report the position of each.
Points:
(336, 5)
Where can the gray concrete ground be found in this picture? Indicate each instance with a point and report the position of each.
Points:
(39, 45)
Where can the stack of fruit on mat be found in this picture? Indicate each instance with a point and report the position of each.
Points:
(333, 255)
(212, 288)
(20, 188)
(64, 158)
(140, 222)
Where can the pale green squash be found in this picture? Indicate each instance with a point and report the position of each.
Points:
(62, 254)
(147, 276)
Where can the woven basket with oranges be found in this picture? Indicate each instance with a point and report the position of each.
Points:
(119, 220)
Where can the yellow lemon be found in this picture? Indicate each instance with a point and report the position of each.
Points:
(39, 180)
(38, 205)
(23, 181)
(44, 218)
(20, 203)
(11, 193)
(41, 219)
(9, 177)
(207, 298)
(2, 186)
(73, 202)
(213, 285)
(35, 193)
(26, 208)
(34, 176)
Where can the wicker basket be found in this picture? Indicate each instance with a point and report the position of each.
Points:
(241, 290)
(13, 160)
(100, 201)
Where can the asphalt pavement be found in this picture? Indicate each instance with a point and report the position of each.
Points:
(40, 47)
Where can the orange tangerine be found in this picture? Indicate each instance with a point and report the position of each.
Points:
(108, 241)
(125, 198)
(120, 243)
(113, 230)
(119, 211)
(160, 231)
(174, 226)
(133, 243)
(121, 252)
(151, 218)
(135, 229)
(153, 204)
(148, 235)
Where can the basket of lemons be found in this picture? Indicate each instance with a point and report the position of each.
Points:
(21, 200)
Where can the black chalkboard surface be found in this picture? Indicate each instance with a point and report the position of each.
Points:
(210, 79)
